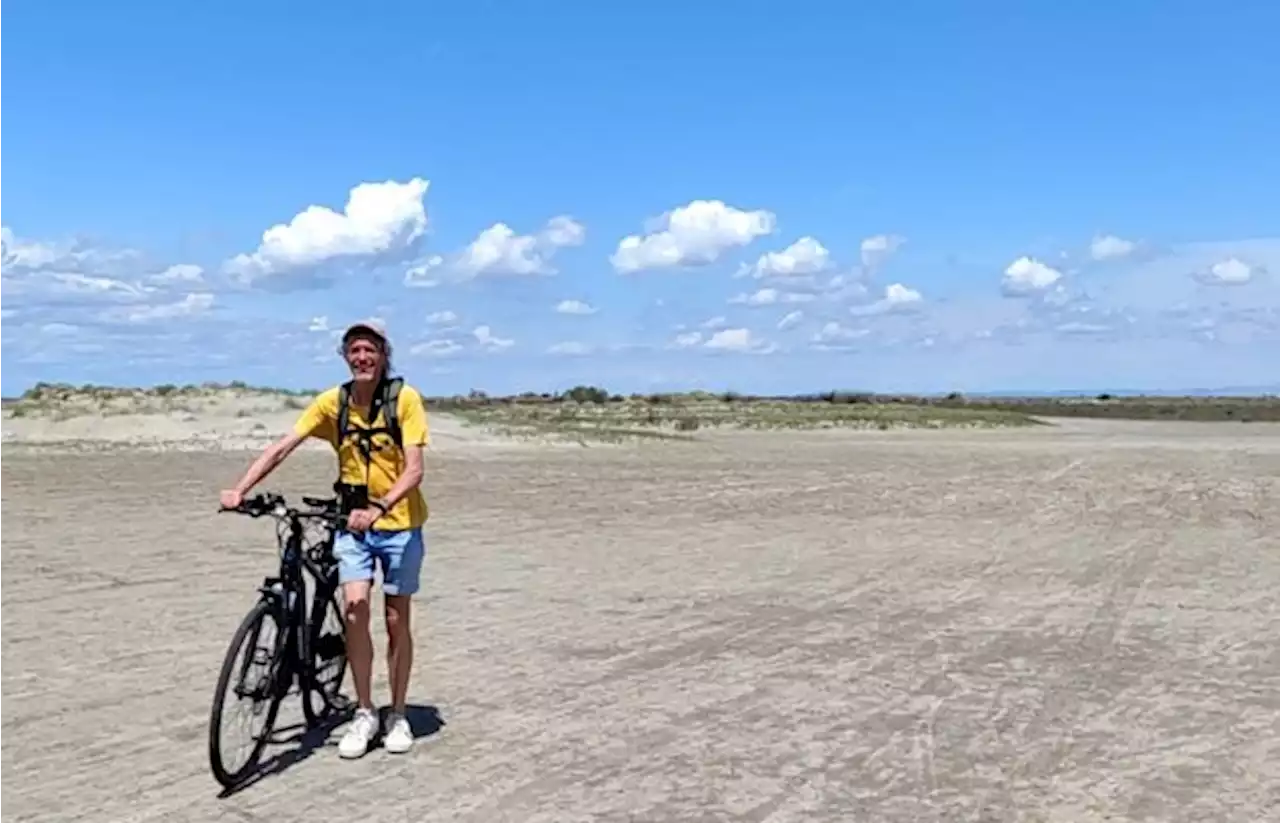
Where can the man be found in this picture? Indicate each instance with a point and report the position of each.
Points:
(379, 485)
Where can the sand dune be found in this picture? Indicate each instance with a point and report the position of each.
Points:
(220, 419)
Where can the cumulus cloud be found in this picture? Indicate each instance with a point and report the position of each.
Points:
(833, 334)
(877, 249)
(737, 340)
(1110, 247)
(423, 274)
(488, 341)
(696, 234)
(1230, 272)
(897, 297)
(564, 231)
(442, 318)
(23, 256)
(1027, 275)
(804, 257)
(320, 323)
(379, 219)
(687, 340)
(499, 251)
(574, 307)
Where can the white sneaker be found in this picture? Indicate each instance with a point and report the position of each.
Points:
(359, 734)
(399, 735)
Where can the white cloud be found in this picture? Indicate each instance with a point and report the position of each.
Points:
(833, 333)
(791, 320)
(574, 307)
(717, 322)
(498, 250)
(320, 323)
(180, 273)
(806, 256)
(485, 337)
(420, 275)
(1027, 275)
(877, 249)
(18, 252)
(1231, 272)
(442, 318)
(896, 294)
(696, 234)
(897, 297)
(687, 340)
(435, 348)
(570, 348)
(60, 329)
(770, 297)
(737, 340)
(85, 284)
(379, 218)
(192, 304)
(1110, 247)
(564, 231)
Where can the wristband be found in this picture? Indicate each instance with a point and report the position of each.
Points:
(379, 505)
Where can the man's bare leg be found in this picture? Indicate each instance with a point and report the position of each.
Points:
(364, 726)
(359, 640)
(399, 738)
(399, 649)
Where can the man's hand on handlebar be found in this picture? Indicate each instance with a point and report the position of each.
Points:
(361, 520)
(230, 499)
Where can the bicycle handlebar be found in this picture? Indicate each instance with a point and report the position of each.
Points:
(269, 503)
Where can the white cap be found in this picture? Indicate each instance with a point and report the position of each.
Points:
(372, 324)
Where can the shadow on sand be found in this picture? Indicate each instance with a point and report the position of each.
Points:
(424, 720)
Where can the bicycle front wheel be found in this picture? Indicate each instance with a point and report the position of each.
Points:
(327, 649)
(249, 681)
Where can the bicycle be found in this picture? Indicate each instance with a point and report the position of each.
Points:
(300, 652)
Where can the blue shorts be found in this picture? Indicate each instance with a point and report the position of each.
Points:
(398, 553)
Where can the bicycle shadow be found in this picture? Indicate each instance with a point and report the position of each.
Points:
(308, 741)
(424, 721)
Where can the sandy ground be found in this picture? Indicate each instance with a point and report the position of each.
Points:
(1076, 624)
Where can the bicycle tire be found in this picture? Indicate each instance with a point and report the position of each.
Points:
(261, 611)
(321, 649)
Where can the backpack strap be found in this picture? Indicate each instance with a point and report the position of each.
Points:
(390, 408)
(386, 399)
(344, 412)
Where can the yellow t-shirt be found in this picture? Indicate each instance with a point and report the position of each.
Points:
(320, 420)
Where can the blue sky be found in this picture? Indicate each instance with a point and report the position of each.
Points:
(759, 196)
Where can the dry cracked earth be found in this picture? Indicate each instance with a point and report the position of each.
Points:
(1069, 624)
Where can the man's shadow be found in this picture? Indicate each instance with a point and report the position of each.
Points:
(424, 721)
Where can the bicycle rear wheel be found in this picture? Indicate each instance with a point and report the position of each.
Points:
(250, 675)
(327, 650)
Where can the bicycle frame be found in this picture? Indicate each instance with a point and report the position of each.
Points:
(285, 594)
(282, 599)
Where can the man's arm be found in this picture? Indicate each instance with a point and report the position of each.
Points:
(272, 456)
(313, 422)
(409, 479)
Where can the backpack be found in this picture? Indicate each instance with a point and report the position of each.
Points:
(385, 398)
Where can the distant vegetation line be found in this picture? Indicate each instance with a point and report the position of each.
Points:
(1105, 405)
